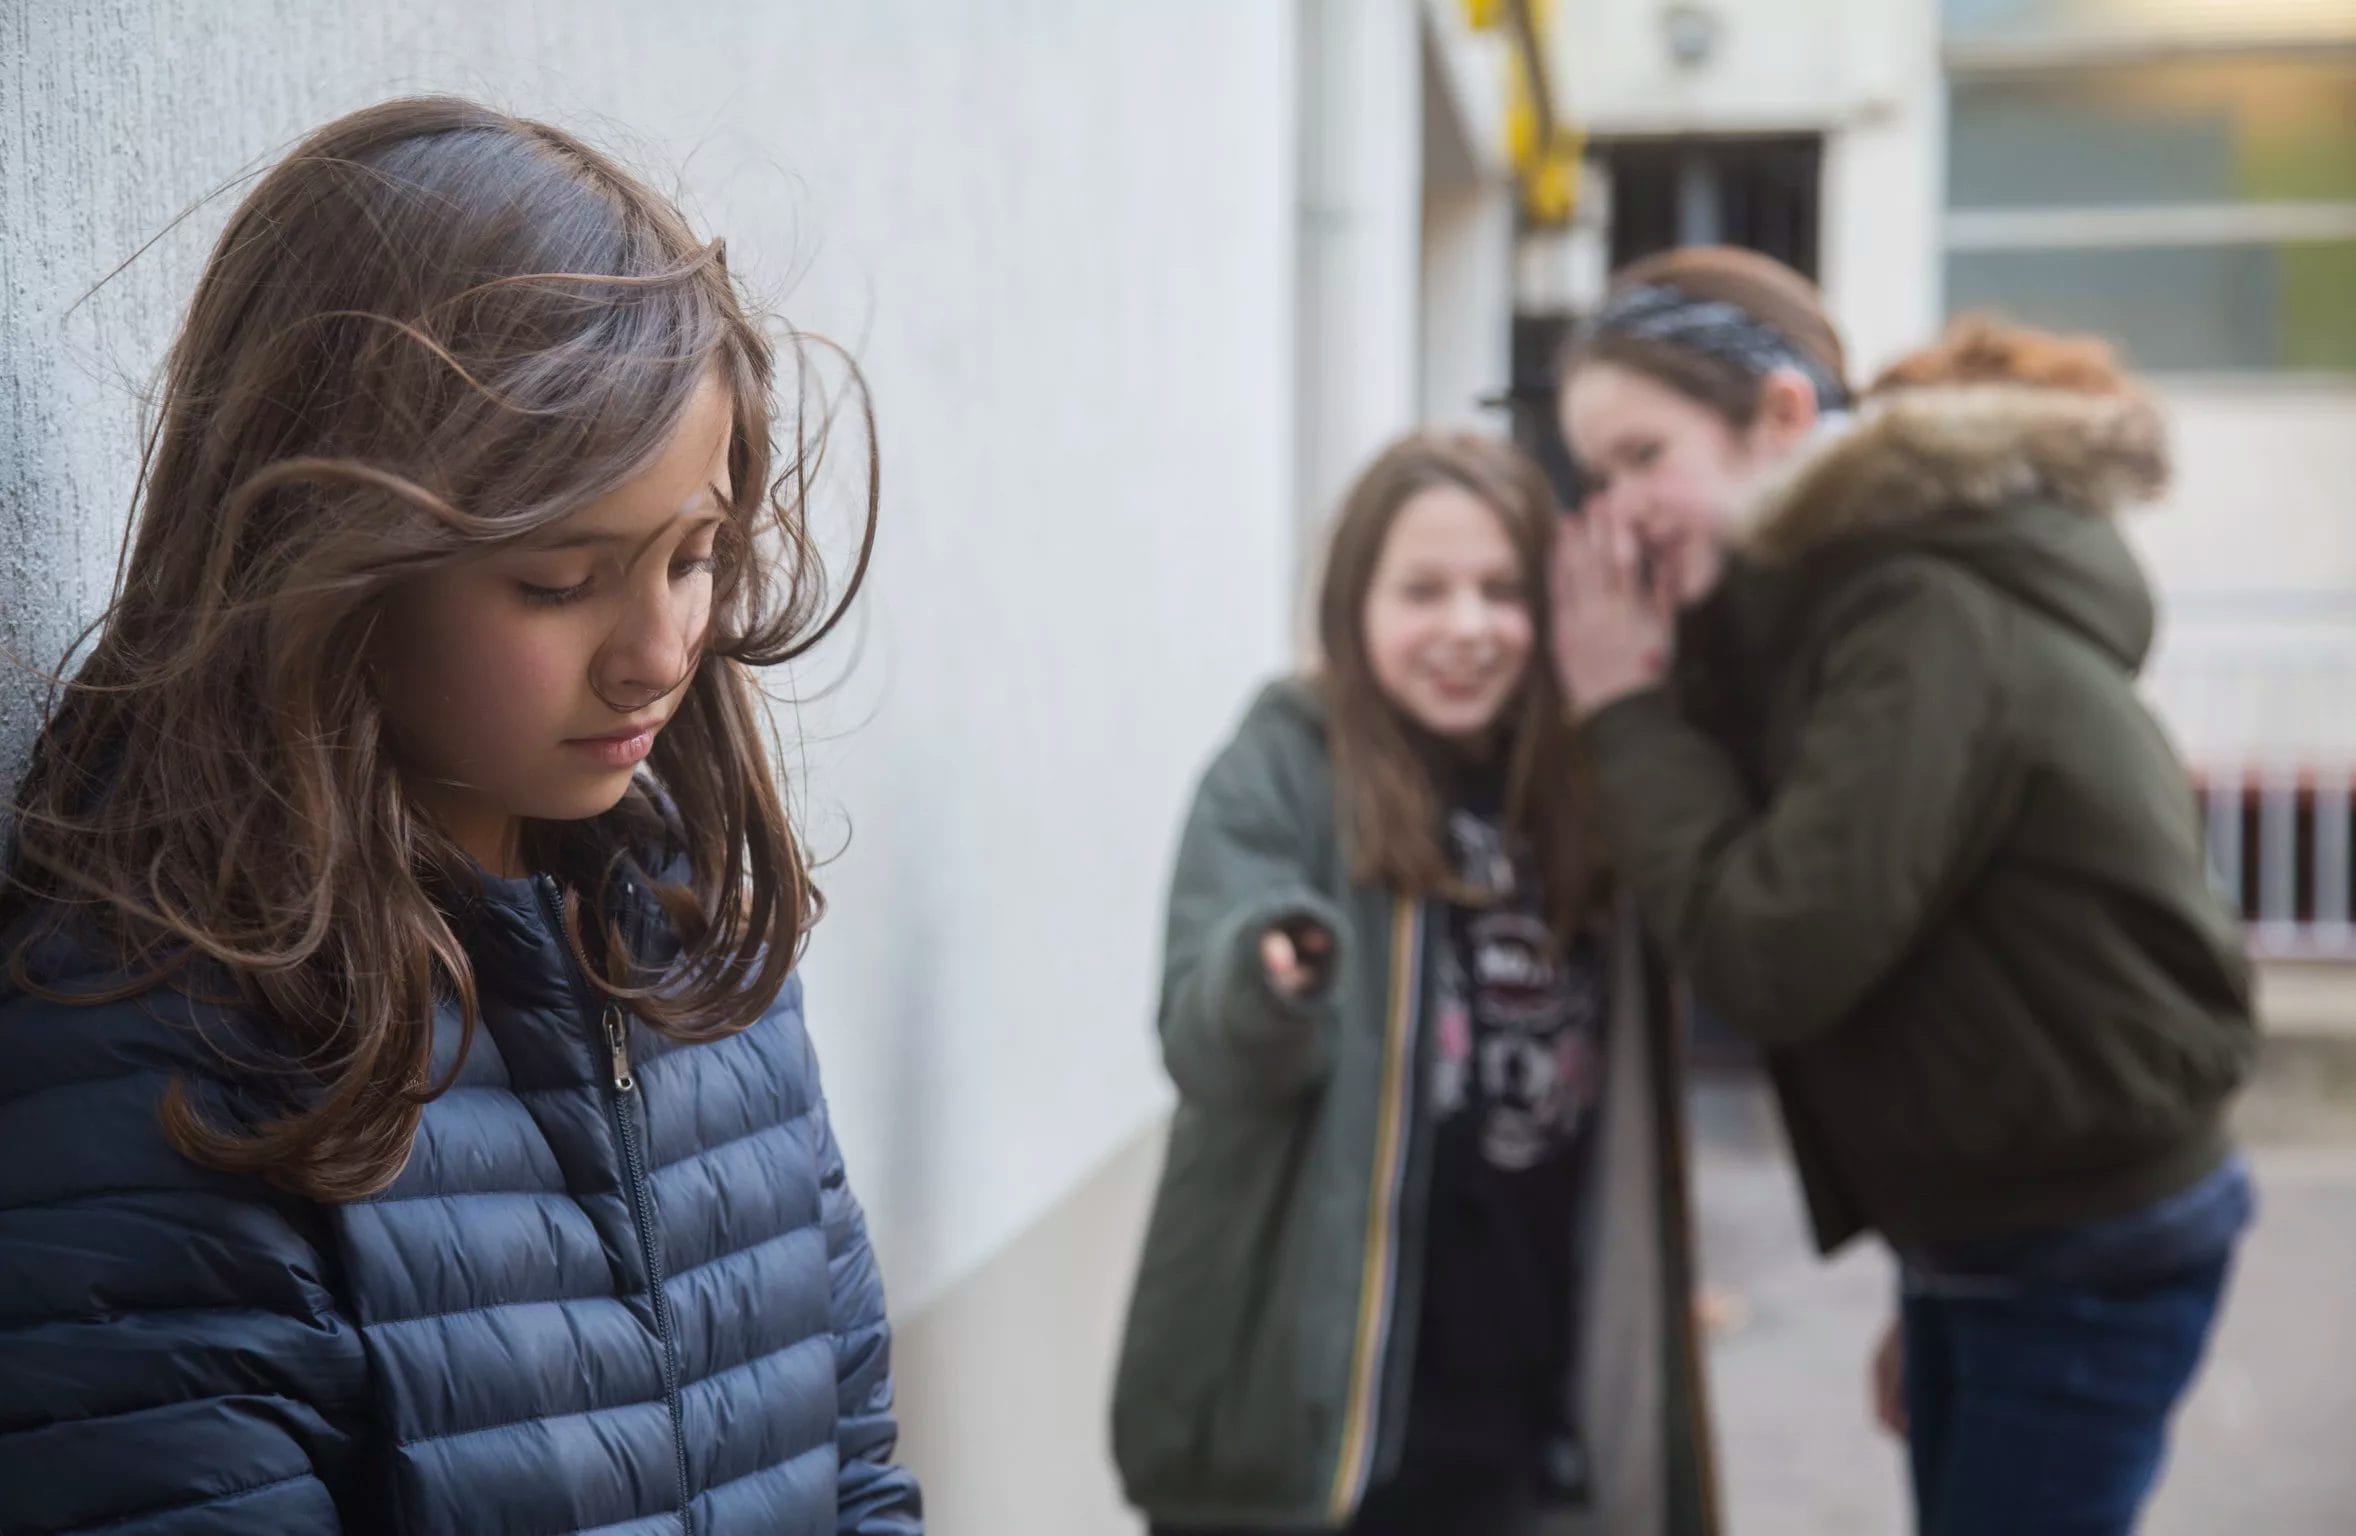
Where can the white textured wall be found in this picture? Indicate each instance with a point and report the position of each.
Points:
(1774, 63)
(2255, 546)
(2262, 494)
(1059, 234)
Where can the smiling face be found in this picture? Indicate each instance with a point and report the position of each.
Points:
(1448, 620)
(1673, 470)
(528, 684)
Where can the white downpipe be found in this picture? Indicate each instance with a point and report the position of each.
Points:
(1361, 193)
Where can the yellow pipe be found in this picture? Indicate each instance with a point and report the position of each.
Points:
(1542, 146)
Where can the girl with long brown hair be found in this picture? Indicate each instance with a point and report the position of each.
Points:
(1420, 1256)
(409, 1122)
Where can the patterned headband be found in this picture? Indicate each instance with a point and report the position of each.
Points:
(1713, 328)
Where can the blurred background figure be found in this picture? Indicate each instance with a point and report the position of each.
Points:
(1420, 1260)
(1860, 693)
(1138, 289)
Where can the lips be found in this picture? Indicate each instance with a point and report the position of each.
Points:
(1464, 685)
(619, 749)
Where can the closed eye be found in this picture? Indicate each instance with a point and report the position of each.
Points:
(552, 597)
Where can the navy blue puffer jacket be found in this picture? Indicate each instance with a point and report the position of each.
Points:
(645, 1305)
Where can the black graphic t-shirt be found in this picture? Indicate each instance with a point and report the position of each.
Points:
(1515, 1069)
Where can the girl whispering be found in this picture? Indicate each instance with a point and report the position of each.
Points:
(1859, 679)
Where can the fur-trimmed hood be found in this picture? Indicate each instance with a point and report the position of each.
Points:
(2018, 483)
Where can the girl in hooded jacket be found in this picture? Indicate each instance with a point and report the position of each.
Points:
(1420, 1258)
(1860, 690)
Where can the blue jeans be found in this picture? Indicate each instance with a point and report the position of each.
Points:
(2043, 1410)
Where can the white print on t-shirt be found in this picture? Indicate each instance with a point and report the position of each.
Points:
(1516, 1040)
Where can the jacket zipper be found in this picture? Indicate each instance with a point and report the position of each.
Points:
(622, 1091)
(1378, 1284)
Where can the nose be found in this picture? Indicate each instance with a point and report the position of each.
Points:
(654, 645)
(1467, 615)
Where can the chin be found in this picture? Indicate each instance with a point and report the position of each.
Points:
(591, 799)
(1463, 722)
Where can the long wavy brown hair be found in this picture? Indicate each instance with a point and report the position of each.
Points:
(1386, 769)
(430, 331)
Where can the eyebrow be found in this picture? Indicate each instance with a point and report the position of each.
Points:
(595, 538)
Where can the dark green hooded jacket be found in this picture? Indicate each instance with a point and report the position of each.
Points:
(1903, 817)
(1264, 1373)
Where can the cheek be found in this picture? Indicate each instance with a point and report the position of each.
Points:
(514, 685)
(698, 611)
(1694, 494)
(1516, 631)
(1394, 631)
(476, 689)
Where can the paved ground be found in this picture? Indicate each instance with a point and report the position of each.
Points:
(2266, 1447)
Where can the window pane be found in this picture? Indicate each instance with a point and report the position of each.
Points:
(2173, 131)
(2030, 24)
(2180, 308)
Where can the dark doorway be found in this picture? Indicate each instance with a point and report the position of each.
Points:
(1765, 194)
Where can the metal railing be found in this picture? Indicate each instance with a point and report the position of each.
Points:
(2260, 691)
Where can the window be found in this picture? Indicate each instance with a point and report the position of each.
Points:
(2198, 207)
(2040, 30)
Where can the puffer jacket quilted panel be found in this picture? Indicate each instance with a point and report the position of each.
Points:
(578, 1308)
